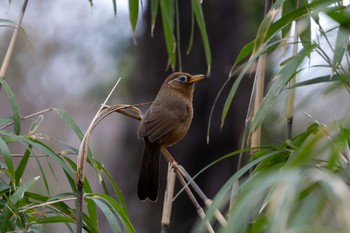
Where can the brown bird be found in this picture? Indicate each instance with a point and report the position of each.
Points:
(165, 123)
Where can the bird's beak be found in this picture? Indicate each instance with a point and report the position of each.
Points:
(196, 78)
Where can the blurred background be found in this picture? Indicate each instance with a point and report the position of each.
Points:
(72, 56)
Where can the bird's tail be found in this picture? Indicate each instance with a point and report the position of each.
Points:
(149, 172)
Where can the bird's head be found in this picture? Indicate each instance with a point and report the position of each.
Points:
(182, 82)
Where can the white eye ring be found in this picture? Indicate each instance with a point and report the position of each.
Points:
(182, 79)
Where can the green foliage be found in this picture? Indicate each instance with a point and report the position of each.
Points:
(168, 16)
(302, 184)
(24, 210)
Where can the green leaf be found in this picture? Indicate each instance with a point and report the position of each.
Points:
(190, 43)
(10, 208)
(109, 211)
(5, 151)
(53, 219)
(246, 67)
(154, 12)
(281, 80)
(220, 197)
(341, 45)
(305, 35)
(70, 122)
(317, 80)
(115, 187)
(245, 52)
(198, 13)
(167, 13)
(14, 106)
(112, 220)
(133, 14)
(22, 165)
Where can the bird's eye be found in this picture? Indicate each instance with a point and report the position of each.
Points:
(182, 79)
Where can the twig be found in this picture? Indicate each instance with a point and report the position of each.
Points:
(8, 55)
(27, 117)
(81, 161)
(190, 195)
(207, 201)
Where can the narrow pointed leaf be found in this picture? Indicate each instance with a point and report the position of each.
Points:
(22, 165)
(167, 13)
(133, 15)
(281, 80)
(198, 13)
(5, 151)
(341, 45)
(14, 106)
(154, 13)
(190, 43)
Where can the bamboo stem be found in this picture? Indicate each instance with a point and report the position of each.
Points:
(168, 199)
(259, 95)
(10, 49)
(289, 112)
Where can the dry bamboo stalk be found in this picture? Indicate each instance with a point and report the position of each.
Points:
(169, 194)
(259, 95)
(9, 52)
(289, 112)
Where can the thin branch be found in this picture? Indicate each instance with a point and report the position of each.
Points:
(27, 117)
(81, 161)
(8, 55)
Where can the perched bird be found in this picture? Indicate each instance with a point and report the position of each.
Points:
(165, 123)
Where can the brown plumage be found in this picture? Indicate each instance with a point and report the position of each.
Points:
(165, 123)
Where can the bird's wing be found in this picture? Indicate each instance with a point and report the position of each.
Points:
(159, 121)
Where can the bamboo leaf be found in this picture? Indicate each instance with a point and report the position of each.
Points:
(341, 45)
(133, 15)
(245, 52)
(70, 122)
(113, 222)
(73, 125)
(168, 27)
(115, 187)
(10, 208)
(154, 12)
(14, 106)
(22, 165)
(53, 219)
(317, 80)
(305, 35)
(5, 151)
(281, 79)
(113, 208)
(198, 13)
(246, 67)
(190, 43)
